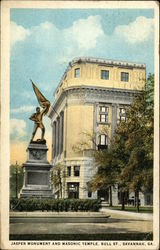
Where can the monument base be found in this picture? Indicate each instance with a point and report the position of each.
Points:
(37, 173)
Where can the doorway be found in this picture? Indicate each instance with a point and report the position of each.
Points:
(73, 190)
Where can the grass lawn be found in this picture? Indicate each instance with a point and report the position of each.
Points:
(134, 209)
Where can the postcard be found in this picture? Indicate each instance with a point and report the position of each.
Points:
(79, 125)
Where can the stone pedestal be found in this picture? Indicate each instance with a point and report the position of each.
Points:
(37, 172)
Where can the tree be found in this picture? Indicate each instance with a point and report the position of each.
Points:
(129, 159)
(16, 179)
(105, 176)
(120, 158)
(136, 170)
(58, 179)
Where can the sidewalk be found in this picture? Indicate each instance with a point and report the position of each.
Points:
(58, 217)
(141, 216)
(104, 213)
(57, 214)
(31, 225)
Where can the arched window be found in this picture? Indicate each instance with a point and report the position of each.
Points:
(103, 142)
(122, 114)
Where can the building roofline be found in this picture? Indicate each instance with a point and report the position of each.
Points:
(101, 61)
(107, 61)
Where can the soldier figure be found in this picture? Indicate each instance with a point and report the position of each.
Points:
(37, 118)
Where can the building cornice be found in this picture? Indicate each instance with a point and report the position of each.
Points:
(80, 92)
(97, 88)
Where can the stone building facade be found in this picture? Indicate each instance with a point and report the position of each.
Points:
(91, 95)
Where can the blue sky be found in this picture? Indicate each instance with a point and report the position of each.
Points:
(43, 41)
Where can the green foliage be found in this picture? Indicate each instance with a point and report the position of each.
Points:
(16, 180)
(106, 173)
(129, 159)
(58, 178)
(44, 204)
(138, 170)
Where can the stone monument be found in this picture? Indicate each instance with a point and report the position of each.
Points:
(37, 170)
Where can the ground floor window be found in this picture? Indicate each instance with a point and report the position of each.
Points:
(73, 190)
(149, 200)
(103, 194)
(76, 170)
(69, 171)
(89, 194)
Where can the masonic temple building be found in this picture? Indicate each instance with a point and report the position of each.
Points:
(92, 95)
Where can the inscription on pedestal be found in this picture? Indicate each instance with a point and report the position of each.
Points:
(35, 178)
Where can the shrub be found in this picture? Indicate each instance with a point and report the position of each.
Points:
(66, 204)
(49, 204)
(13, 203)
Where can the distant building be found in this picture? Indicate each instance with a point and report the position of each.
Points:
(92, 93)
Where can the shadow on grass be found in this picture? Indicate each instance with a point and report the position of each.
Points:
(119, 236)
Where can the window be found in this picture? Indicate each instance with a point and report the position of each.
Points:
(105, 74)
(103, 117)
(89, 194)
(122, 114)
(103, 142)
(76, 170)
(77, 73)
(54, 139)
(103, 109)
(124, 77)
(58, 135)
(104, 114)
(69, 171)
(148, 200)
(61, 129)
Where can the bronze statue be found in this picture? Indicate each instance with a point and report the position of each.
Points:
(37, 117)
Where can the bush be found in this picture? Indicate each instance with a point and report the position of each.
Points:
(43, 204)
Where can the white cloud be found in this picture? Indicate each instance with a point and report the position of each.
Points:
(22, 109)
(51, 48)
(47, 25)
(137, 31)
(17, 33)
(85, 32)
(59, 45)
(17, 127)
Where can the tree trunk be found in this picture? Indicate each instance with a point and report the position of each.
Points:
(137, 196)
(61, 189)
(110, 195)
(58, 195)
(123, 201)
